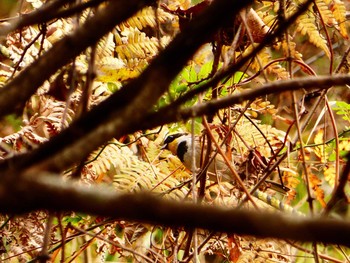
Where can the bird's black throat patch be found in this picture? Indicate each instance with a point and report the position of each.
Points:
(182, 148)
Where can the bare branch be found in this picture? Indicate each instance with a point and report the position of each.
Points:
(230, 70)
(49, 11)
(171, 114)
(128, 106)
(320, 82)
(18, 91)
(338, 195)
(47, 191)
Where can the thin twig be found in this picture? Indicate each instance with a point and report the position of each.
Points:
(236, 176)
(44, 255)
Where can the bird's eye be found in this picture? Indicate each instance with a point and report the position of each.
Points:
(169, 138)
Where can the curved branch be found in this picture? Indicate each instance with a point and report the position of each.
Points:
(338, 196)
(17, 92)
(321, 82)
(48, 191)
(49, 11)
(230, 70)
(127, 107)
(175, 113)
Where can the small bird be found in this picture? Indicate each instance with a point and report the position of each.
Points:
(180, 144)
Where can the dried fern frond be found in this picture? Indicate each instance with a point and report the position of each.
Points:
(325, 12)
(59, 29)
(339, 11)
(46, 120)
(22, 234)
(130, 174)
(289, 49)
(135, 49)
(263, 59)
(115, 70)
(137, 40)
(255, 139)
(105, 47)
(146, 18)
(306, 25)
(135, 44)
(268, 12)
(183, 4)
(16, 42)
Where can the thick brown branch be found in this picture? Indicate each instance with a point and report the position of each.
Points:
(175, 113)
(230, 70)
(339, 195)
(52, 193)
(18, 91)
(127, 107)
(49, 11)
(320, 82)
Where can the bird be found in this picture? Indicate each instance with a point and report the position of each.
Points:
(180, 145)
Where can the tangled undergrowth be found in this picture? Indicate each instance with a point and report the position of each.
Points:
(291, 146)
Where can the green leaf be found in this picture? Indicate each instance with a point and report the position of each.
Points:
(239, 76)
(113, 87)
(236, 78)
(189, 74)
(14, 121)
(158, 236)
(343, 108)
(181, 88)
(73, 219)
(205, 70)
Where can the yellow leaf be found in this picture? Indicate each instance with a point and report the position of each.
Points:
(320, 149)
(339, 12)
(344, 145)
(307, 26)
(329, 175)
(315, 183)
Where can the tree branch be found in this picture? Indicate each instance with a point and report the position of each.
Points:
(17, 92)
(47, 191)
(49, 11)
(234, 67)
(319, 82)
(175, 113)
(338, 196)
(37, 16)
(127, 107)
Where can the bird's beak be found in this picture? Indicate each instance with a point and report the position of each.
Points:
(164, 146)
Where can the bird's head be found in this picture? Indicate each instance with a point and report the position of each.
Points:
(178, 143)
